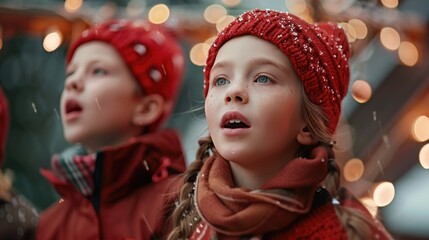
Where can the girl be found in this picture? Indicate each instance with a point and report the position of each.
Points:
(121, 84)
(273, 87)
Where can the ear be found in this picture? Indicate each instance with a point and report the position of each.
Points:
(148, 110)
(305, 137)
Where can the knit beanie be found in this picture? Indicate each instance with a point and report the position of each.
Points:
(4, 124)
(318, 53)
(151, 52)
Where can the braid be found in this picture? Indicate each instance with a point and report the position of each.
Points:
(356, 224)
(185, 217)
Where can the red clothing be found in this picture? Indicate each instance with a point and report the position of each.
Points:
(133, 184)
(321, 223)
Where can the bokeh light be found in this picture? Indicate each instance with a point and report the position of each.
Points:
(420, 129)
(52, 41)
(408, 53)
(361, 91)
(350, 31)
(223, 22)
(198, 53)
(383, 194)
(214, 12)
(390, 3)
(72, 5)
(359, 27)
(370, 205)
(159, 14)
(424, 156)
(296, 6)
(390, 38)
(231, 3)
(353, 170)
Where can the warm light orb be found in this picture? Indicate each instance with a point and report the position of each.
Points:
(198, 53)
(390, 3)
(424, 156)
(360, 28)
(159, 14)
(350, 31)
(52, 41)
(420, 129)
(223, 22)
(383, 194)
(408, 53)
(353, 170)
(296, 6)
(370, 205)
(361, 91)
(72, 5)
(214, 13)
(231, 3)
(390, 38)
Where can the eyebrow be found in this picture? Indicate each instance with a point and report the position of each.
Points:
(256, 62)
(265, 61)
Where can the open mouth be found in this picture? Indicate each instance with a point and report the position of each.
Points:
(72, 107)
(234, 120)
(235, 123)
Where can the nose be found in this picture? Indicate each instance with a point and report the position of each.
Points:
(237, 92)
(74, 83)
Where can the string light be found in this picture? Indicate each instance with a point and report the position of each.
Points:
(231, 3)
(296, 6)
(223, 22)
(383, 194)
(420, 129)
(390, 3)
(136, 7)
(390, 38)
(198, 53)
(214, 12)
(424, 156)
(52, 41)
(361, 91)
(159, 14)
(72, 5)
(370, 205)
(353, 170)
(408, 53)
(359, 27)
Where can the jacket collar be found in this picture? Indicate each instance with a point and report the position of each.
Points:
(146, 159)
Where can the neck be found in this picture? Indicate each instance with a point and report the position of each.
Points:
(255, 176)
(106, 141)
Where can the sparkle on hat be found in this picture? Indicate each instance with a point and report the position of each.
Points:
(155, 75)
(140, 49)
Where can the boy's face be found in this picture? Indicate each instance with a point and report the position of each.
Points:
(253, 105)
(99, 98)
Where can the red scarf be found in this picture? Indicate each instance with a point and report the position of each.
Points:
(236, 211)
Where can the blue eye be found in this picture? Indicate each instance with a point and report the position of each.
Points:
(99, 71)
(262, 79)
(221, 81)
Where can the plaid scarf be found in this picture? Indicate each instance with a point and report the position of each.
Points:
(76, 167)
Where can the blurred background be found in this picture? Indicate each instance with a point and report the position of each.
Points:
(383, 138)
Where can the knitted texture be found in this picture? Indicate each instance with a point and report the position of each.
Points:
(4, 124)
(318, 53)
(151, 52)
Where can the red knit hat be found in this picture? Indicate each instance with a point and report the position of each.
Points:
(152, 54)
(4, 124)
(319, 54)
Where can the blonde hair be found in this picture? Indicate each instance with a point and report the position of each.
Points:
(356, 224)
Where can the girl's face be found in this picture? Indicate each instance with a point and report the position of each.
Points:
(253, 105)
(99, 97)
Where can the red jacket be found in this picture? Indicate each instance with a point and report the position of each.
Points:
(129, 202)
